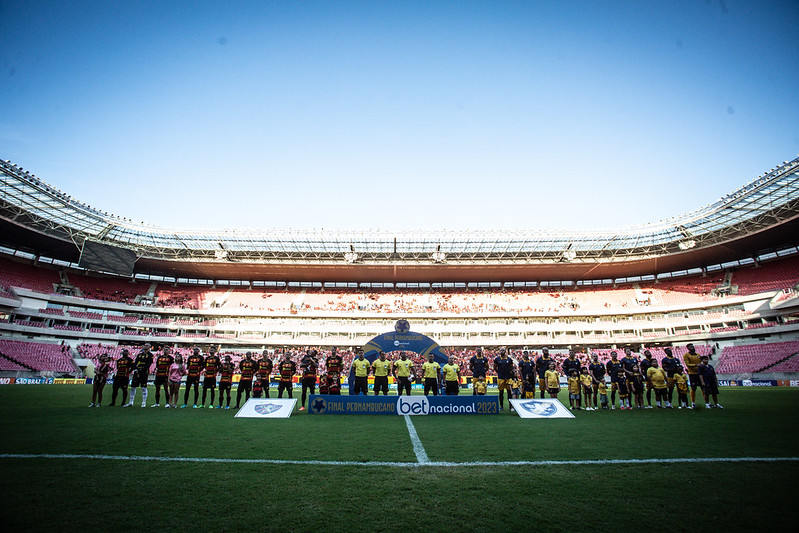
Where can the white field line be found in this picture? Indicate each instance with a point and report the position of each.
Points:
(418, 447)
(445, 464)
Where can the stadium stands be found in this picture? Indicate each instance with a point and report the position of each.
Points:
(155, 321)
(750, 358)
(38, 356)
(181, 298)
(40, 279)
(691, 290)
(123, 319)
(108, 289)
(789, 365)
(67, 328)
(85, 314)
(770, 276)
(605, 315)
(30, 323)
(11, 366)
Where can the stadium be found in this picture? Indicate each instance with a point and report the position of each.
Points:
(78, 283)
(473, 207)
(723, 277)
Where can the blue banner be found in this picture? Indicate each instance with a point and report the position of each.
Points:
(404, 340)
(324, 404)
(759, 382)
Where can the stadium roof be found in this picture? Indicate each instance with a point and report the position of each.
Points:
(760, 216)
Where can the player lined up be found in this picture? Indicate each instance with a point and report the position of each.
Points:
(169, 372)
(629, 377)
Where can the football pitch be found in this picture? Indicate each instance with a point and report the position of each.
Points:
(65, 466)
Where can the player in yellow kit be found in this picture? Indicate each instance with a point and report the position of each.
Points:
(403, 370)
(431, 373)
(452, 377)
(381, 367)
(657, 377)
(552, 380)
(361, 368)
(691, 360)
(681, 383)
(574, 390)
(587, 385)
(602, 389)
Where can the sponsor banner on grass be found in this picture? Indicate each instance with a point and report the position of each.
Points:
(403, 405)
(729, 383)
(759, 383)
(543, 408)
(267, 408)
(7, 381)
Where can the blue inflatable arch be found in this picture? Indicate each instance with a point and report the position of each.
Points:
(401, 339)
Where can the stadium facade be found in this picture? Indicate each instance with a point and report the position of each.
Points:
(464, 289)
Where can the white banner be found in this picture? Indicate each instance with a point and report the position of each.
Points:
(543, 408)
(267, 408)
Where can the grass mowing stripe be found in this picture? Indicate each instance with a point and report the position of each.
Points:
(426, 462)
(418, 447)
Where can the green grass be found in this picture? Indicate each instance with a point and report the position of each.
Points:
(60, 493)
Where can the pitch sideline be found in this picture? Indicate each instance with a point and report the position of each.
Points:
(445, 464)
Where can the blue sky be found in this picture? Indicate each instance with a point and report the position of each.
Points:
(399, 115)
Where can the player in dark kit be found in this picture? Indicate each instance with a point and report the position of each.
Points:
(571, 363)
(122, 377)
(597, 371)
(637, 385)
(646, 364)
(141, 375)
(247, 368)
(710, 383)
(100, 378)
(287, 368)
(628, 364)
(225, 382)
(210, 370)
(504, 367)
(162, 364)
(194, 368)
(541, 367)
(334, 364)
(669, 365)
(692, 361)
(308, 366)
(478, 364)
(264, 371)
(615, 372)
(528, 375)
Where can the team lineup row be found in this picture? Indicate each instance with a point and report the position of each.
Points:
(629, 376)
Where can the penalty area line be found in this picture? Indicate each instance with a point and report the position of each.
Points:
(418, 447)
(423, 460)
